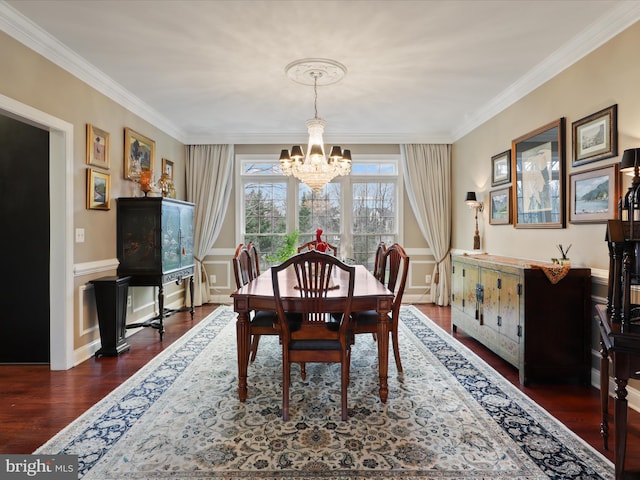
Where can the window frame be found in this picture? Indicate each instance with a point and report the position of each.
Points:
(346, 193)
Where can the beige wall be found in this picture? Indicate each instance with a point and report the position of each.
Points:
(32, 80)
(605, 77)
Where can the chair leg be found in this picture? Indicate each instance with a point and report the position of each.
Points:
(286, 371)
(396, 349)
(344, 384)
(254, 347)
(303, 370)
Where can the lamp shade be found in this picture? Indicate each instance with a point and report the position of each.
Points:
(284, 156)
(296, 152)
(471, 198)
(630, 158)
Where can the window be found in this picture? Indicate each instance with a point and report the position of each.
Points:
(355, 212)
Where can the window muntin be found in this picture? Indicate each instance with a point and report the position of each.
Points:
(355, 212)
(320, 210)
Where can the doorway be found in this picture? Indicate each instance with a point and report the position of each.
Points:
(24, 215)
(60, 292)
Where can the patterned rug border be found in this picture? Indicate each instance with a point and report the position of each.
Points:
(176, 359)
(215, 322)
(542, 415)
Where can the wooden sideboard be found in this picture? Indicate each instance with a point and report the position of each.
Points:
(512, 307)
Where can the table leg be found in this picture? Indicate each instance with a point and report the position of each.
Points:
(383, 354)
(604, 395)
(620, 417)
(243, 341)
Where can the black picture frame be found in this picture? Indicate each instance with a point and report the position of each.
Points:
(538, 166)
(595, 137)
(501, 168)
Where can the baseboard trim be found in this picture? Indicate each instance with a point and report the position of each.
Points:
(633, 394)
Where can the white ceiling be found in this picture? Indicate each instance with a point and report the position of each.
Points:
(212, 71)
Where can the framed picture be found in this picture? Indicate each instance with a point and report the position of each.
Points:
(139, 154)
(595, 137)
(501, 168)
(500, 207)
(97, 147)
(98, 190)
(538, 187)
(594, 195)
(167, 167)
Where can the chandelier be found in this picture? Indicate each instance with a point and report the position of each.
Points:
(314, 169)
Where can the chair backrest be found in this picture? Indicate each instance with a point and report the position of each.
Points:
(395, 270)
(315, 273)
(253, 253)
(331, 249)
(243, 267)
(378, 264)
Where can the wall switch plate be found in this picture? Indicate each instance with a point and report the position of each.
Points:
(427, 279)
(129, 301)
(79, 235)
(212, 279)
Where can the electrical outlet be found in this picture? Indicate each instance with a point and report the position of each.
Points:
(79, 235)
(427, 279)
(129, 301)
(212, 279)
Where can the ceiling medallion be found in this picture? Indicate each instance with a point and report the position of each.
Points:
(307, 70)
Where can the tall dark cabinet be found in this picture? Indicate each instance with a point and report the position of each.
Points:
(155, 246)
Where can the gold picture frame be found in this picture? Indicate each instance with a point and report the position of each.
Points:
(167, 167)
(139, 153)
(97, 147)
(98, 190)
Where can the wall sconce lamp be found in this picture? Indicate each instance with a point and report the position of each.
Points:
(472, 202)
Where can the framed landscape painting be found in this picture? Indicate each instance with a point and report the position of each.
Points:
(595, 137)
(500, 207)
(594, 195)
(538, 168)
(501, 168)
(139, 154)
(98, 190)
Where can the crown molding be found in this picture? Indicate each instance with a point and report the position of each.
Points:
(22, 29)
(622, 16)
(297, 138)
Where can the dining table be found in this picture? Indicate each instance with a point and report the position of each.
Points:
(257, 295)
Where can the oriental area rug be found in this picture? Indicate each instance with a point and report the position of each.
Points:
(448, 416)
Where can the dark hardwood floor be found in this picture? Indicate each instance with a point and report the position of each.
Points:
(36, 402)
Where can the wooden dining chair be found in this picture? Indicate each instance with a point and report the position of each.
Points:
(319, 337)
(331, 249)
(261, 322)
(394, 270)
(378, 270)
(255, 258)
